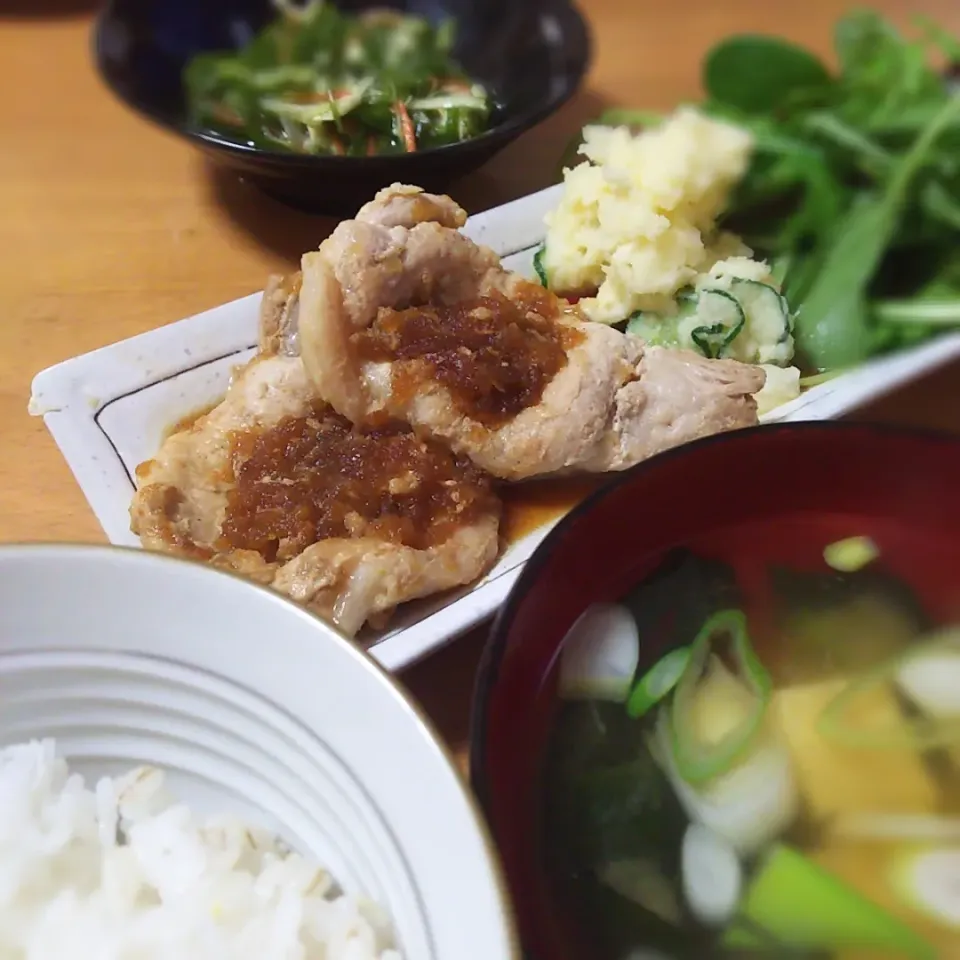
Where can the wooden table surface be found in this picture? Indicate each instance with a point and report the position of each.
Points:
(110, 227)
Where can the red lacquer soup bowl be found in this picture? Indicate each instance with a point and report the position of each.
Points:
(749, 499)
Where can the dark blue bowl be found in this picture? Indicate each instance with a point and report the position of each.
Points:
(531, 53)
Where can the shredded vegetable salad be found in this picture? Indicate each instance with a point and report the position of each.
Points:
(317, 81)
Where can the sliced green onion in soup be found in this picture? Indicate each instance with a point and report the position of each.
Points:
(599, 655)
(749, 805)
(657, 682)
(807, 908)
(930, 677)
(928, 674)
(851, 554)
(712, 875)
(717, 713)
(929, 881)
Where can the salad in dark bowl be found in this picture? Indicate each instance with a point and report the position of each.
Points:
(321, 104)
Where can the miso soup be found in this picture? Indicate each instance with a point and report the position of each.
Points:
(756, 751)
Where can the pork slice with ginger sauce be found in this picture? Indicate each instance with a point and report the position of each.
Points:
(275, 485)
(400, 314)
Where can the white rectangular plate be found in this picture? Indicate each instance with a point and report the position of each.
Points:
(108, 411)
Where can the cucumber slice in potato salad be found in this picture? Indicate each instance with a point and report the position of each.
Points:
(749, 322)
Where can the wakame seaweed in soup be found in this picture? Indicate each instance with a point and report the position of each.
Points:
(756, 752)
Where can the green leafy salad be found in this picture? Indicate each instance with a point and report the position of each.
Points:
(852, 192)
(316, 81)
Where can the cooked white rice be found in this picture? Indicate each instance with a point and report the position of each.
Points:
(122, 872)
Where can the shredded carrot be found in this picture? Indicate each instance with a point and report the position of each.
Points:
(406, 126)
(226, 114)
(454, 85)
(371, 145)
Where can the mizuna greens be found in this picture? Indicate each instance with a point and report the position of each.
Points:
(853, 193)
(317, 81)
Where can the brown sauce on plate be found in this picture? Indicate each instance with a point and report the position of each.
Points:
(495, 356)
(528, 506)
(318, 477)
(188, 420)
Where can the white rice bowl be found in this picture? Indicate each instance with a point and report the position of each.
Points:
(124, 872)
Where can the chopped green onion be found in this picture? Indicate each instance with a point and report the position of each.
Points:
(938, 726)
(748, 805)
(712, 875)
(851, 554)
(929, 881)
(599, 654)
(698, 757)
(930, 678)
(802, 906)
(657, 682)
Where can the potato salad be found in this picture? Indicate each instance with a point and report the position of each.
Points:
(635, 236)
